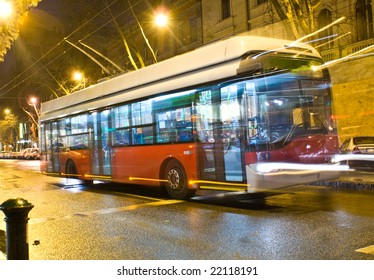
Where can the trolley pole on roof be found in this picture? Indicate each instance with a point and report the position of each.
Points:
(90, 56)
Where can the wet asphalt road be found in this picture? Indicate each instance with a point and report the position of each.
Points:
(108, 221)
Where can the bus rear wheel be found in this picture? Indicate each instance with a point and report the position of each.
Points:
(72, 172)
(71, 169)
(177, 183)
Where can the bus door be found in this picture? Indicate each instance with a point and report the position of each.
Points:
(206, 119)
(52, 145)
(100, 143)
(232, 133)
(220, 135)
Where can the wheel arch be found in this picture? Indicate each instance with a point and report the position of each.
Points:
(165, 163)
(70, 162)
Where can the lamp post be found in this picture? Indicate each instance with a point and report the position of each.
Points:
(33, 101)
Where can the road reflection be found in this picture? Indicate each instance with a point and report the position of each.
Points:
(298, 199)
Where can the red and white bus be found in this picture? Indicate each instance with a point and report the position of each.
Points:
(210, 118)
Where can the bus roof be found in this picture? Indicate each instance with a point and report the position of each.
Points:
(218, 60)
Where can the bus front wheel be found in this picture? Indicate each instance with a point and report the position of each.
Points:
(177, 183)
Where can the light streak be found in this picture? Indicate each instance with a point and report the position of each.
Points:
(299, 42)
(217, 183)
(319, 30)
(51, 173)
(337, 38)
(345, 157)
(97, 176)
(332, 62)
(147, 179)
(285, 166)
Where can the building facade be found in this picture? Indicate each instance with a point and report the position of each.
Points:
(228, 17)
(197, 22)
(193, 23)
(352, 79)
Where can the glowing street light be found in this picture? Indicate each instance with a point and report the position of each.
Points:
(33, 101)
(79, 78)
(7, 111)
(5, 9)
(161, 20)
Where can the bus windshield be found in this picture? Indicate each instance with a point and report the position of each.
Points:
(285, 106)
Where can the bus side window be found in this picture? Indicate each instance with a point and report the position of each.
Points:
(142, 135)
(185, 135)
(137, 136)
(122, 138)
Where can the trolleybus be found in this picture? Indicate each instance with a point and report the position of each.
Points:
(210, 118)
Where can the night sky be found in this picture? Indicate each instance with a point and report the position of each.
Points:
(58, 17)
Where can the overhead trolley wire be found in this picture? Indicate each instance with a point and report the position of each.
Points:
(62, 41)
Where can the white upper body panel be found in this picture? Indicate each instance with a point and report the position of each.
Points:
(209, 63)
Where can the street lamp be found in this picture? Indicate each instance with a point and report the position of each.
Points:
(5, 9)
(161, 20)
(79, 77)
(161, 16)
(33, 101)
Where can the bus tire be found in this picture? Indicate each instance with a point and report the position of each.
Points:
(177, 183)
(71, 169)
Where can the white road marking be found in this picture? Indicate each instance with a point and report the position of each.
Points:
(367, 250)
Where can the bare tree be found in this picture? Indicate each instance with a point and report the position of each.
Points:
(298, 14)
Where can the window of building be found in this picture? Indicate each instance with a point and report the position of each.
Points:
(324, 19)
(364, 20)
(225, 9)
(188, 31)
(184, 33)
